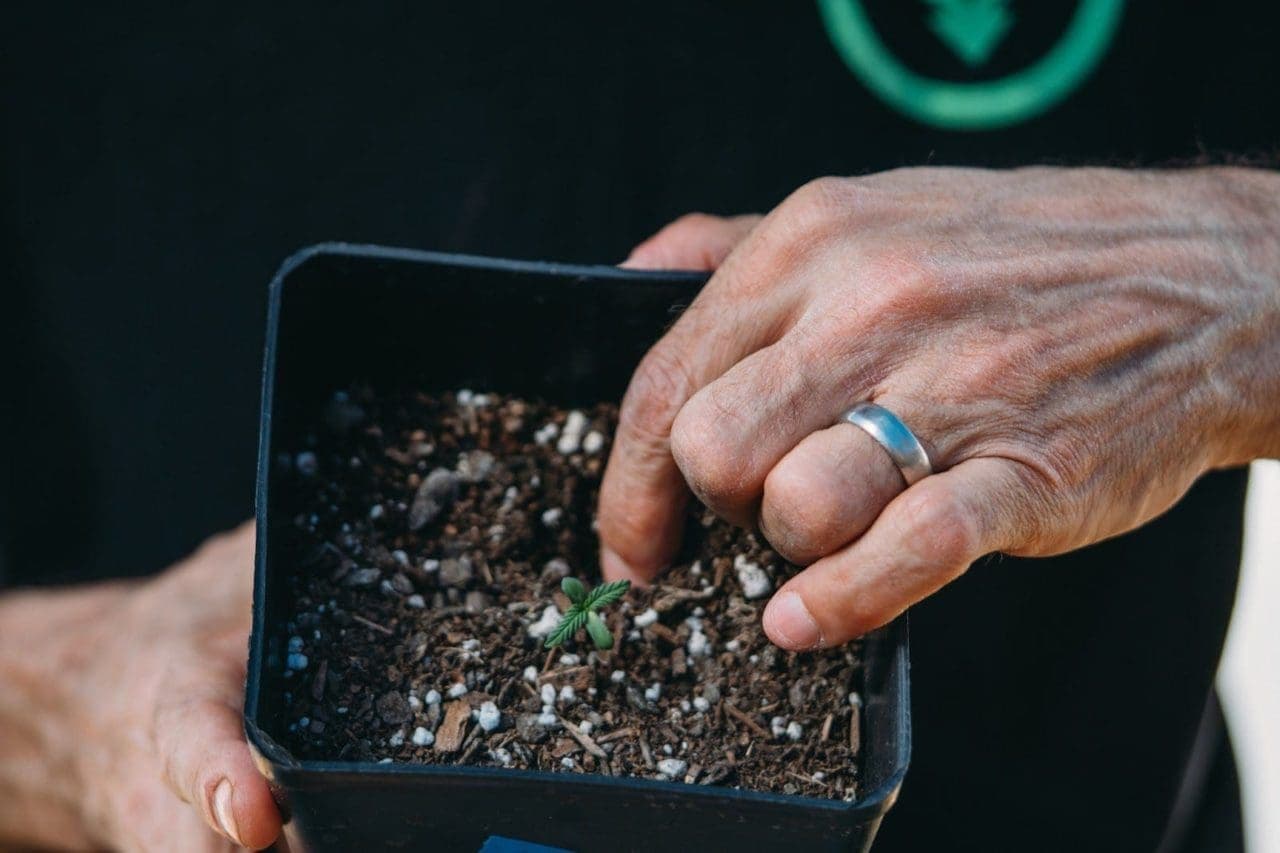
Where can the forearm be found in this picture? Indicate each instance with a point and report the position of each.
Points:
(43, 643)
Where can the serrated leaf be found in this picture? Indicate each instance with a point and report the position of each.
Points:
(599, 631)
(569, 625)
(573, 588)
(606, 593)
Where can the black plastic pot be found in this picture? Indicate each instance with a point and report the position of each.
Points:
(341, 313)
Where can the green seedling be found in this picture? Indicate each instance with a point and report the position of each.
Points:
(583, 612)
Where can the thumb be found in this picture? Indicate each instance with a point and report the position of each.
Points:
(924, 539)
(695, 241)
(208, 764)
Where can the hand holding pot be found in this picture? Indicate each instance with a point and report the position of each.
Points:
(1072, 347)
(127, 703)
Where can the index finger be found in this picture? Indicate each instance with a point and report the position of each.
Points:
(643, 496)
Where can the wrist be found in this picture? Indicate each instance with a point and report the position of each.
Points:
(1245, 375)
(46, 641)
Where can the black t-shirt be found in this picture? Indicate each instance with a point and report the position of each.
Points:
(159, 161)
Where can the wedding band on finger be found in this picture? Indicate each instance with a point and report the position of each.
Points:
(895, 437)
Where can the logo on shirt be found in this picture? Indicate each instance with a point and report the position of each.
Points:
(971, 64)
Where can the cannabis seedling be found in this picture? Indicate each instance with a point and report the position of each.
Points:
(583, 612)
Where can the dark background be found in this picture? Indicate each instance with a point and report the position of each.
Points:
(157, 161)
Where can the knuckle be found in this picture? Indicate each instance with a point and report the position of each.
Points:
(941, 528)
(708, 464)
(818, 208)
(823, 194)
(659, 386)
(904, 283)
(1047, 499)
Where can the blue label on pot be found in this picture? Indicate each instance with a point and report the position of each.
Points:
(498, 844)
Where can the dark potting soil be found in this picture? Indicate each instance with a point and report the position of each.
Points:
(435, 532)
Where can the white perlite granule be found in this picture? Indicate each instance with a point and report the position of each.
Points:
(755, 583)
(571, 436)
(699, 645)
(673, 767)
(546, 623)
(545, 434)
(647, 618)
(489, 717)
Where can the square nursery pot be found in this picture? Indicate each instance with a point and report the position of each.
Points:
(571, 335)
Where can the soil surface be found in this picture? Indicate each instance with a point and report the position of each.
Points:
(434, 533)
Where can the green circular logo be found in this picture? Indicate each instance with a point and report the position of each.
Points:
(972, 29)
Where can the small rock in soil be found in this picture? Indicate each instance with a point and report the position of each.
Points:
(394, 709)
(363, 577)
(436, 492)
(307, 463)
(475, 465)
(555, 569)
(456, 572)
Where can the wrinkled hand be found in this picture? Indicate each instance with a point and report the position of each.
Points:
(1074, 347)
(149, 690)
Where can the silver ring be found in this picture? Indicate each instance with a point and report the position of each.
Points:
(892, 434)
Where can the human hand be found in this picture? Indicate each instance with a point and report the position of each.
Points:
(139, 689)
(1074, 347)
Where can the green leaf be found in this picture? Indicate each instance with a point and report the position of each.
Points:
(569, 625)
(573, 588)
(606, 593)
(599, 631)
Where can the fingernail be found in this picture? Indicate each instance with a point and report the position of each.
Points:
(222, 810)
(790, 624)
